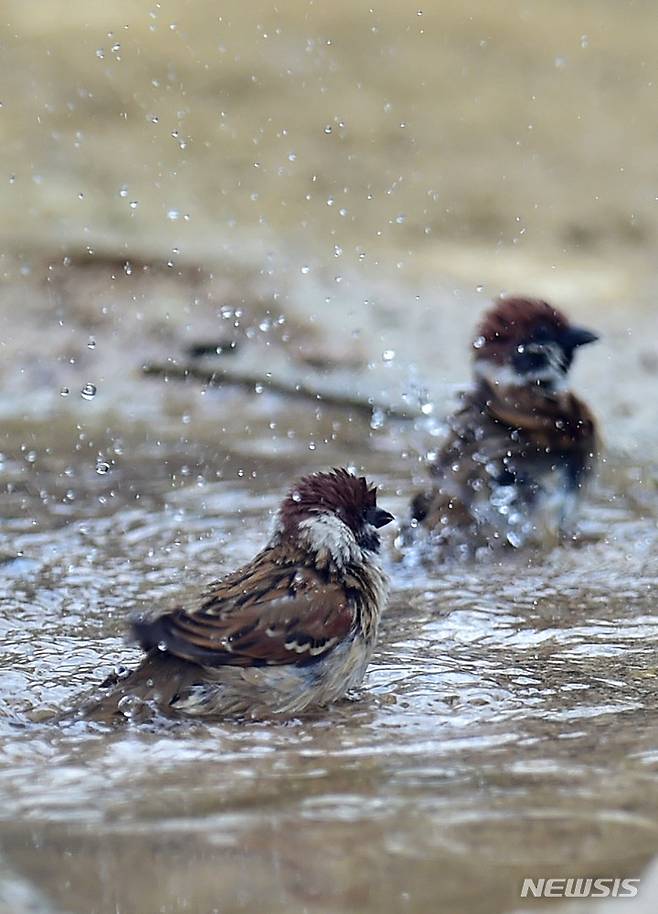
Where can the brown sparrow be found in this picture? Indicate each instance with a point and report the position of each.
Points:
(522, 446)
(292, 629)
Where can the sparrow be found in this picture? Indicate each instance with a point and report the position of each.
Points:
(293, 629)
(521, 447)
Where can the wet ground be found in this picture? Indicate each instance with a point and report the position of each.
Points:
(508, 726)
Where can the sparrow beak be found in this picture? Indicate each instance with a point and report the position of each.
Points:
(577, 336)
(378, 517)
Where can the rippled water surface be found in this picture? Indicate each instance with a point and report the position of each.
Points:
(507, 726)
(332, 193)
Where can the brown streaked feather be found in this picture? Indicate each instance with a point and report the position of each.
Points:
(523, 420)
(521, 431)
(157, 680)
(555, 425)
(264, 614)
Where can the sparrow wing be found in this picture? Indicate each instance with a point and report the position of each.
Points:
(282, 615)
(496, 437)
(561, 425)
(448, 502)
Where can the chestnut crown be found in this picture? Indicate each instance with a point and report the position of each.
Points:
(340, 494)
(531, 337)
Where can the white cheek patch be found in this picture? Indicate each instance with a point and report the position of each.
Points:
(554, 373)
(497, 375)
(369, 538)
(276, 528)
(506, 376)
(330, 539)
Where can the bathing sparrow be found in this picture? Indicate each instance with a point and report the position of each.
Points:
(291, 630)
(522, 446)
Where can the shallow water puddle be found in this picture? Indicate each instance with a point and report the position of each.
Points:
(507, 725)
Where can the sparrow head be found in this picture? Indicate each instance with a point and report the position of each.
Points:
(526, 341)
(334, 515)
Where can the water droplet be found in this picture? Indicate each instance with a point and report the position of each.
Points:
(91, 343)
(102, 467)
(328, 129)
(292, 156)
(100, 53)
(427, 409)
(123, 190)
(88, 392)
(173, 215)
(479, 342)
(305, 270)
(296, 497)
(388, 355)
(64, 391)
(127, 705)
(133, 204)
(377, 419)
(584, 41)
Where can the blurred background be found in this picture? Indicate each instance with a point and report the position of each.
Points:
(368, 173)
(330, 194)
(491, 141)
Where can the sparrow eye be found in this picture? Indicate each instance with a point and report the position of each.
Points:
(531, 357)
